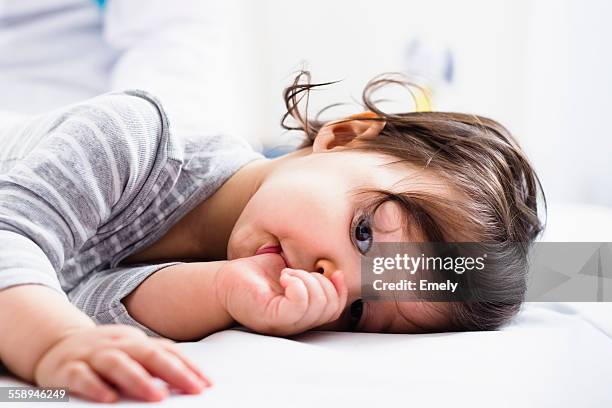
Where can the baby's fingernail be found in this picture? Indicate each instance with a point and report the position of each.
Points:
(159, 393)
(108, 397)
(196, 384)
(203, 381)
(201, 376)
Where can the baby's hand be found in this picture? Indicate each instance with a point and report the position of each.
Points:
(262, 294)
(96, 362)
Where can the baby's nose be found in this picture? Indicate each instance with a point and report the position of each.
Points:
(325, 267)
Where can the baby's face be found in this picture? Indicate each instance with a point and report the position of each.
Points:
(307, 208)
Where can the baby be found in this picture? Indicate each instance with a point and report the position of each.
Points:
(102, 204)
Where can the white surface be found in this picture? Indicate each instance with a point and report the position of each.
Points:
(578, 223)
(552, 355)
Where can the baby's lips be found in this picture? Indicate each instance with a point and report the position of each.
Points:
(274, 249)
(269, 249)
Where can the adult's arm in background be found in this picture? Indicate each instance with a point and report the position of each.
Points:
(184, 54)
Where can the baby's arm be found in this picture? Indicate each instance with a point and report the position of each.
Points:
(48, 341)
(189, 301)
(32, 319)
(179, 301)
(89, 162)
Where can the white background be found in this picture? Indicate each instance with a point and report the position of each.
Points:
(542, 68)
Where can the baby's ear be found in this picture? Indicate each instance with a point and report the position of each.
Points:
(366, 125)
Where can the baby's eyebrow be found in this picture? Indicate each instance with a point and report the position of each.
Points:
(410, 232)
(418, 225)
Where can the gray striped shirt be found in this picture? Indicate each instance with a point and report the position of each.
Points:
(83, 187)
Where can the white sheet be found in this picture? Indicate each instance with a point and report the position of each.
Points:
(549, 357)
(552, 355)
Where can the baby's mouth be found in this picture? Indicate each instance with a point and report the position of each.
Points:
(273, 249)
(269, 249)
(282, 254)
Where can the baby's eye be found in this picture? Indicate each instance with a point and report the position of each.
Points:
(363, 236)
(355, 311)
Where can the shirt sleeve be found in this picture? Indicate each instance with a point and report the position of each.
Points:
(95, 159)
(100, 295)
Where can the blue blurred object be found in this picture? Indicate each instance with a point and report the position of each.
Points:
(100, 3)
(430, 60)
(430, 65)
(277, 151)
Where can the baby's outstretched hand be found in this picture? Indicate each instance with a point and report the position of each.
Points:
(95, 363)
(260, 292)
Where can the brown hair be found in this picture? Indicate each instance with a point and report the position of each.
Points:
(480, 160)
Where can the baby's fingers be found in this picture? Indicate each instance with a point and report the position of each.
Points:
(81, 380)
(337, 278)
(294, 304)
(167, 366)
(332, 308)
(129, 376)
(317, 298)
(170, 347)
